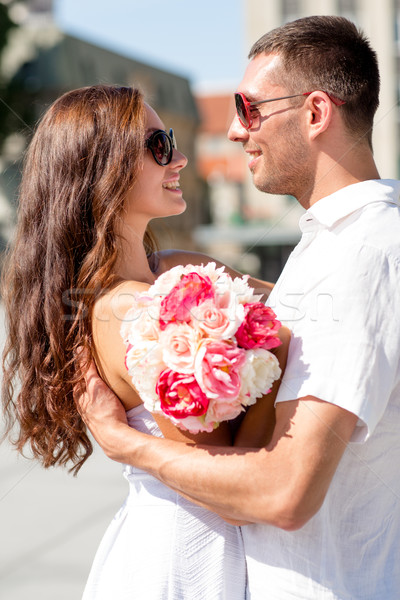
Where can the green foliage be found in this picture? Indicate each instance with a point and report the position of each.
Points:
(15, 108)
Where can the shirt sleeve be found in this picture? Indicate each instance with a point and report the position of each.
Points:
(345, 342)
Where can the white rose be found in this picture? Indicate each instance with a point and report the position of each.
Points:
(258, 373)
(166, 281)
(141, 321)
(144, 363)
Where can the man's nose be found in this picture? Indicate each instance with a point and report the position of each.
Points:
(236, 131)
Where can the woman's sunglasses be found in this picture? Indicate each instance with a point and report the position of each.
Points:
(243, 106)
(161, 145)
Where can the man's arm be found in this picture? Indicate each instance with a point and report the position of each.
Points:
(172, 258)
(283, 484)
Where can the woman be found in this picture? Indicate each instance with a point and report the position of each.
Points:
(99, 168)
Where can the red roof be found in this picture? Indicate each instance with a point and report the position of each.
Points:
(216, 113)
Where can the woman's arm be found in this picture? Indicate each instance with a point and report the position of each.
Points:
(283, 484)
(172, 258)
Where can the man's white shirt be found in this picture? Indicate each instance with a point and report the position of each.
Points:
(339, 294)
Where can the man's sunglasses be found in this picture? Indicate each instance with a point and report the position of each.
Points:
(161, 145)
(243, 106)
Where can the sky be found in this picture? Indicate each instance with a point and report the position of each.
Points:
(202, 40)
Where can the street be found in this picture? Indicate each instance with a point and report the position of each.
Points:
(51, 523)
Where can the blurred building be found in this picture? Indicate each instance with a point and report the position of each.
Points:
(256, 231)
(43, 64)
(380, 22)
(226, 217)
(244, 229)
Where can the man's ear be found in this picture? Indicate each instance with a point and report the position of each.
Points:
(320, 112)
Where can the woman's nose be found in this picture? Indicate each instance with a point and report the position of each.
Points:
(179, 159)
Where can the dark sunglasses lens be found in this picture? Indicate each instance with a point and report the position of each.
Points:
(161, 148)
(241, 110)
(173, 138)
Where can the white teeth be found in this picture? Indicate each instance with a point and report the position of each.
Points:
(254, 155)
(171, 185)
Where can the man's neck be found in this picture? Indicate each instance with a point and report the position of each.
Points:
(333, 175)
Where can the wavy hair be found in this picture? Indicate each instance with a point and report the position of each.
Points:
(82, 160)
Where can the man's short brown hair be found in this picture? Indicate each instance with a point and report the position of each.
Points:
(330, 54)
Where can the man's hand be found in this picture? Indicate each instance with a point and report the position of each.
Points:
(283, 484)
(103, 413)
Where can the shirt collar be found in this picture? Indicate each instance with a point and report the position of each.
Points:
(340, 204)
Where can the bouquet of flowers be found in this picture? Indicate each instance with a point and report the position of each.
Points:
(198, 346)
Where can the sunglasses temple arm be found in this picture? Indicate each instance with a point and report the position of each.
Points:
(281, 98)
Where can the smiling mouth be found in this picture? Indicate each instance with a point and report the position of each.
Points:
(171, 185)
(253, 156)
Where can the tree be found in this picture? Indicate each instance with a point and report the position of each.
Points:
(6, 23)
(14, 108)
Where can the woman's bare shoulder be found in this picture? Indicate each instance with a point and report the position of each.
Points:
(116, 302)
(109, 314)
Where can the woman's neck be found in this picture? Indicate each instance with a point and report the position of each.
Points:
(133, 264)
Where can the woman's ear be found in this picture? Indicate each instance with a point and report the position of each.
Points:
(320, 112)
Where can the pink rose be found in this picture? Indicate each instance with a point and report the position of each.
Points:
(189, 292)
(214, 321)
(224, 409)
(259, 328)
(196, 424)
(128, 348)
(217, 368)
(179, 345)
(180, 395)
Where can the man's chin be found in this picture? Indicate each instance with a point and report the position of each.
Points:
(266, 187)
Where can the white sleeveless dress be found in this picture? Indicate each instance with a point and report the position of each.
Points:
(162, 547)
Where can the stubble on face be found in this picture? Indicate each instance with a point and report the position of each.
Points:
(285, 163)
(285, 167)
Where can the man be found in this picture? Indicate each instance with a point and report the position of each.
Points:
(324, 494)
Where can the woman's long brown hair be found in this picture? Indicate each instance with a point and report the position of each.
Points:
(81, 162)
